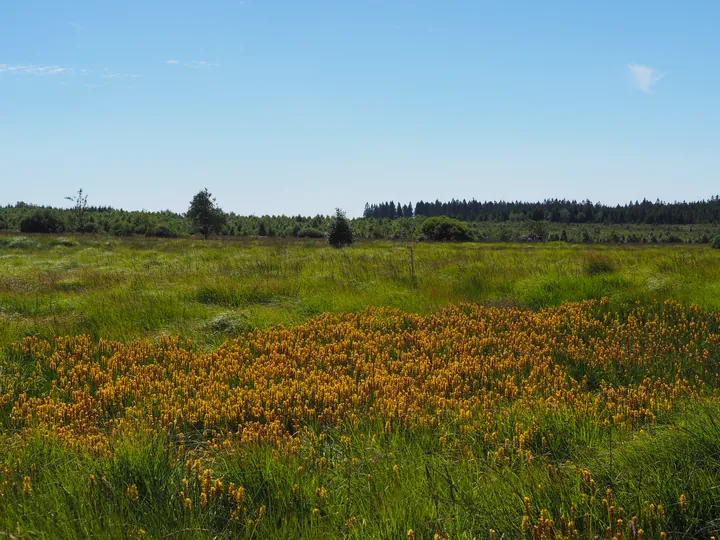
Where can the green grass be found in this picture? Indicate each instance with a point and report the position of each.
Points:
(210, 291)
(134, 288)
(433, 490)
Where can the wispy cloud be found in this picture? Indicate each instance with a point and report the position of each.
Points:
(107, 74)
(90, 76)
(195, 64)
(34, 70)
(644, 77)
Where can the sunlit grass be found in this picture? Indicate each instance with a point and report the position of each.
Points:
(421, 415)
(131, 288)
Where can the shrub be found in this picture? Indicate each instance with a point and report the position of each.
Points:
(310, 232)
(163, 230)
(339, 231)
(671, 238)
(538, 230)
(715, 243)
(42, 221)
(441, 229)
(90, 227)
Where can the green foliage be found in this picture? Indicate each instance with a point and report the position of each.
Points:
(204, 214)
(440, 229)
(42, 221)
(167, 224)
(538, 230)
(559, 211)
(79, 212)
(340, 232)
(715, 243)
(310, 232)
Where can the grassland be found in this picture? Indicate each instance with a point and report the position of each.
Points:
(135, 288)
(382, 391)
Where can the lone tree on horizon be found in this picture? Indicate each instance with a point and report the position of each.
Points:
(79, 211)
(339, 231)
(205, 215)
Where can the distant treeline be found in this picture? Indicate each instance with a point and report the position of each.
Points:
(29, 218)
(556, 211)
(519, 226)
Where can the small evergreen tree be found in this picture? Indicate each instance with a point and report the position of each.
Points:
(339, 231)
(205, 215)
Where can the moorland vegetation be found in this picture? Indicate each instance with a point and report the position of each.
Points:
(257, 388)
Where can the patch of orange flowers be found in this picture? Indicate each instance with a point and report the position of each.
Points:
(483, 372)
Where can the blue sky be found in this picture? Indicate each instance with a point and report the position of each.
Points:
(298, 107)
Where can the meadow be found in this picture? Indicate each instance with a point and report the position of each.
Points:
(284, 389)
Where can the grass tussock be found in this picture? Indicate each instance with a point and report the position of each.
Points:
(595, 263)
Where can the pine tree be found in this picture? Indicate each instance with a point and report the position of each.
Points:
(339, 231)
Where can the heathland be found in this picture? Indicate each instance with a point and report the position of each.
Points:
(285, 389)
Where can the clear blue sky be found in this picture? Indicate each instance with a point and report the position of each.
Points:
(301, 106)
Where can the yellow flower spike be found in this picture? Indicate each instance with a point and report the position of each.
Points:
(239, 496)
(132, 493)
(27, 486)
